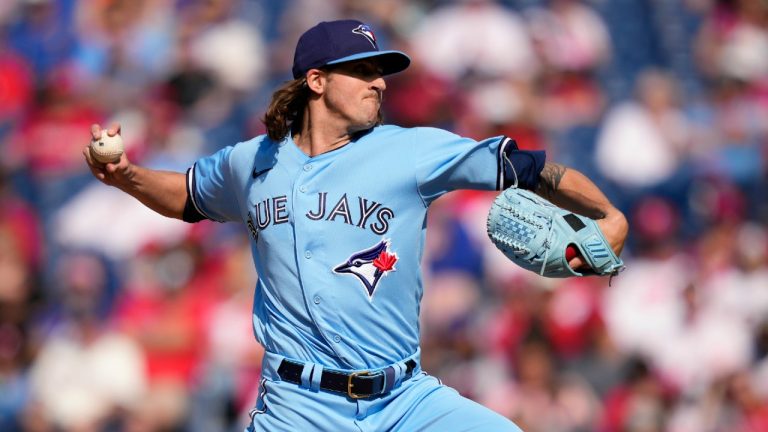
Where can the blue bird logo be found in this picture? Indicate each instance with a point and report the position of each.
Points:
(369, 265)
(365, 30)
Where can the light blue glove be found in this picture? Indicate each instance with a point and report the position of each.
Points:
(534, 234)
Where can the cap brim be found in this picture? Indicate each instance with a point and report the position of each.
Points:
(390, 61)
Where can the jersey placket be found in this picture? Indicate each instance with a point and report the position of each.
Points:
(309, 240)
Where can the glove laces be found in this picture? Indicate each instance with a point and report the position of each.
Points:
(547, 247)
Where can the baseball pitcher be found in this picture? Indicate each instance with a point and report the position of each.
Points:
(335, 204)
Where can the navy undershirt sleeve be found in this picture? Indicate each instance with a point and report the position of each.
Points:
(527, 166)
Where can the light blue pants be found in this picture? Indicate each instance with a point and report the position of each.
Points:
(420, 404)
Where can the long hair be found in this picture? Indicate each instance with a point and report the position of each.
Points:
(286, 110)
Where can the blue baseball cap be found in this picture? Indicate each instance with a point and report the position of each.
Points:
(333, 42)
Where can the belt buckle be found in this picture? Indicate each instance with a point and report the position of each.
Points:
(350, 385)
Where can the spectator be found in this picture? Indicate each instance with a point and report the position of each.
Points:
(14, 378)
(98, 369)
(164, 308)
(642, 141)
(546, 399)
(733, 42)
(490, 40)
(636, 405)
(569, 36)
(42, 145)
(42, 34)
(123, 46)
(16, 88)
(232, 364)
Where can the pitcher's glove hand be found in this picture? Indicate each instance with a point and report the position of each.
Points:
(534, 234)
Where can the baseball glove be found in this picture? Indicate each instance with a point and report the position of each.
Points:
(534, 234)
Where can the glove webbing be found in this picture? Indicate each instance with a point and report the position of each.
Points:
(532, 221)
(527, 217)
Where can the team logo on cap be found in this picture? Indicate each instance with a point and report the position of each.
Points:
(369, 265)
(366, 31)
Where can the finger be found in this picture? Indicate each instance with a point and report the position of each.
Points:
(576, 263)
(92, 164)
(123, 161)
(114, 129)
(120, 164)
(111, 167)
(617, 248)
(95, 170)
(95, 131)
(87, 155)
(614, 228)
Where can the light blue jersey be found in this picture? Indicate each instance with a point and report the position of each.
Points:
(337, 239)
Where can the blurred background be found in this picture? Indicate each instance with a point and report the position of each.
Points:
(116, 319)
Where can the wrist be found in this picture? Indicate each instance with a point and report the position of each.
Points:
(616, 228)
(614, 215)
(128, 179)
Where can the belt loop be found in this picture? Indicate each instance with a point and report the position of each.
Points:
(399, 373)
(305, 374)
(317, 374)
(389, 378)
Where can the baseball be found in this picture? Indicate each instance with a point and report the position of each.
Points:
(107, 149)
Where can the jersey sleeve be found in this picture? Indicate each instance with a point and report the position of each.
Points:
(447, 162)
(211, 189)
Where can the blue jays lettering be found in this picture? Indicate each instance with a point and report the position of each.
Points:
(367, 214)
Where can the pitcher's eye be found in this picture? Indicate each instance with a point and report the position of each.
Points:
(367, 69)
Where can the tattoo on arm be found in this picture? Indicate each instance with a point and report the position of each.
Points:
(549, 179)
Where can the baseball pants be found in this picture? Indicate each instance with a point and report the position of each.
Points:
(420, 403)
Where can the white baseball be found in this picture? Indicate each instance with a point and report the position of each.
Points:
(107, 148)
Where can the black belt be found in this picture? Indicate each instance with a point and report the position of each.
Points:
(356, 385)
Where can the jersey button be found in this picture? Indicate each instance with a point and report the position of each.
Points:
(307, 167)
(307, 254)
(302, 189)
(317, 300)
(337, 338)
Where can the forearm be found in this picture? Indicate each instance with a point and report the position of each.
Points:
(572, 190)
(165, 192)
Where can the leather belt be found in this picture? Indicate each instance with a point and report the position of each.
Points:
(356, 385)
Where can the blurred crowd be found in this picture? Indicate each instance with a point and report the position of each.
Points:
(116, 319)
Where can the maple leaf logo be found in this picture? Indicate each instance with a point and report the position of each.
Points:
(385, 261)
